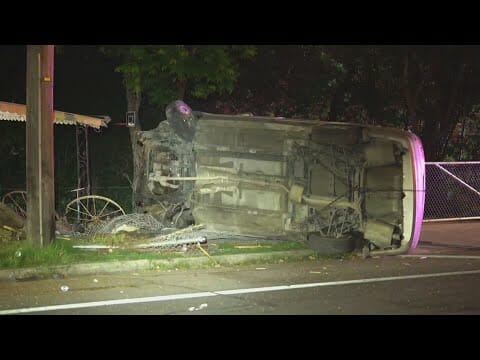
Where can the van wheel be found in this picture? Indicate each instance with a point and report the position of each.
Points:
(330, 246)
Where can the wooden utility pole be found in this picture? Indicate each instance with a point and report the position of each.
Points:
(39, 141)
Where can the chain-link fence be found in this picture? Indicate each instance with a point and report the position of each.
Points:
(452, 191)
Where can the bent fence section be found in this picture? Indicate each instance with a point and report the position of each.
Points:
(452, 191)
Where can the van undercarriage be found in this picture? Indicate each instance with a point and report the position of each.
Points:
(338, 186)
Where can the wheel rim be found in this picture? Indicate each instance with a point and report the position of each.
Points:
(89, 211)
(17, 200)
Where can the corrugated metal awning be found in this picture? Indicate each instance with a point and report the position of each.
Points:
(18, 112)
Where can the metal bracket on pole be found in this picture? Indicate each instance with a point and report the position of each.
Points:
(83, 161)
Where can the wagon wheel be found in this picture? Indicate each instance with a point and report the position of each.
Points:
(17, 200)
(87, 212)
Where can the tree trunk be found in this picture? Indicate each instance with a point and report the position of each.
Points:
(133, 104)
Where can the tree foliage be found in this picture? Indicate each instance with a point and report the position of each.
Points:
(163, 73)
(426, 89)
(431, 90)
(294, 81)
(167, 72)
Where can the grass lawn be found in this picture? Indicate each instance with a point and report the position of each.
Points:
(21, 254)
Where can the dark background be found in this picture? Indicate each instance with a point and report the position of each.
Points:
(354, 83)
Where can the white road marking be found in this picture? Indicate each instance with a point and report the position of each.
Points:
(473, 257)
(227, 292)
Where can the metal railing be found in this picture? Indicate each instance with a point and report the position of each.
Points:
(452, 191)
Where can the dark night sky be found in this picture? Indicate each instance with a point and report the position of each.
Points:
(84, 83)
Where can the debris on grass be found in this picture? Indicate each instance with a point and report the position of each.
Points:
(173, 242)
(95, 247)
(252, 246)
(9, 219)
(208, 255)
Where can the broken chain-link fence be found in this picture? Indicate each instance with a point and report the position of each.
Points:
(452, 191)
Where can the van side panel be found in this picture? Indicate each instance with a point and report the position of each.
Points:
(253, 156)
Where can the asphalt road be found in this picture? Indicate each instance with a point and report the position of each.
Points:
(356, 286)
(442, 276)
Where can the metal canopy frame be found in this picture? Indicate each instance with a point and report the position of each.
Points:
(83, 161)
(18, 112)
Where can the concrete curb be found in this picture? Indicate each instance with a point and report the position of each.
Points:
(139, 265)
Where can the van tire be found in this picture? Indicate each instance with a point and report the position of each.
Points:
(330, 246)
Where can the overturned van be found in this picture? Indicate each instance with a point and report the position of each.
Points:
(338, 186)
